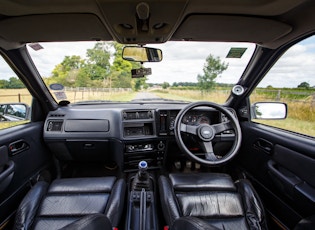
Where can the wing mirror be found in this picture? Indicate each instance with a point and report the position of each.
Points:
(14, 112)
(269, 110)
(142, 54)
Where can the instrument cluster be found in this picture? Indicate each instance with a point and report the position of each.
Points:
(196, 118)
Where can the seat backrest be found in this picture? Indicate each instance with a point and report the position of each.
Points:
(67, 200)
(212, 197)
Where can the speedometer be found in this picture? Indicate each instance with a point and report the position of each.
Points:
(203, 120)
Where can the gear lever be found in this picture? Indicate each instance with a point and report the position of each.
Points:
(142, 179)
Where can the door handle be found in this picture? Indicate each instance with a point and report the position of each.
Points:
(264, 145)
(17, 147)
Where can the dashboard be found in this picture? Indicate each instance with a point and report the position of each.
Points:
(124, 133)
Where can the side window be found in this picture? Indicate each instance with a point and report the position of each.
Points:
(15, 99)
(291, 80)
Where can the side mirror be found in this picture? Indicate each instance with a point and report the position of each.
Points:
(14, 112)
(141, 54)
(269, 110)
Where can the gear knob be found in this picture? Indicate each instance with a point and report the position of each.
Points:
(143, 165)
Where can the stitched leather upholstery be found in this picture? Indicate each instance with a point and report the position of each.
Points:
(68, 200)
(90, 222)
(212, 197)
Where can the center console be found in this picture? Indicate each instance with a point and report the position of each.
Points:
(152, 151)
(142, 208)
(140, 140)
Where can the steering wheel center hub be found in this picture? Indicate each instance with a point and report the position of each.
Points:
(206, 132)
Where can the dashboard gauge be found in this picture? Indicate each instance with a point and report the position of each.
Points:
(186, 119)
(203, 120)
(193, 119)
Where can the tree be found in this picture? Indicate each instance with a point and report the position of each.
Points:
(97, 70)
(165, 85)
(212, 69)
(120, 69)
(67, 71)
(4, 84)
(140, 83)
(15, 83)
(98, 62)
(304, 85)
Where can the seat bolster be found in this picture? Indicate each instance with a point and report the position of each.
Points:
(115, 204)
(27, 210)
(202, 182)
(253, 208)
(306, 224)
(191, 223)
(170, 206)
(84, 185)
(90, 222)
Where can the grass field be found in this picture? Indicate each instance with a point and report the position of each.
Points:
(12, 95)
(193, 95)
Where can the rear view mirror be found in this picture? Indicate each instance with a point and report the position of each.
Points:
(14, 112)
(269, 110)
(141, 54)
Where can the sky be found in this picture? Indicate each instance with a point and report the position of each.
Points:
(182, 62)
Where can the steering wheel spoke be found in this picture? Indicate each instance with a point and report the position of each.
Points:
(208, 150)
(191, 129)
(219, 128)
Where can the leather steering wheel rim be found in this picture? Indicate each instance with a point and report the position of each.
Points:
(206, 133)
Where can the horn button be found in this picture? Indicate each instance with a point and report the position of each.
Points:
(206, 132)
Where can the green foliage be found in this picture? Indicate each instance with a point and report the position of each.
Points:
(97, 65)
(175, 84)
(4, 84)
(13, 83)
(96, 70)
(304, 85)
(67, 71)
(285, 93)
(165, 85)
(139, 83)
(185, 88)
(212, 69)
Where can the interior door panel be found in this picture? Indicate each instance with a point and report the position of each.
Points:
(26, 155)
(282, 166)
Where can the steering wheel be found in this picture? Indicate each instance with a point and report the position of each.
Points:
(206, 134)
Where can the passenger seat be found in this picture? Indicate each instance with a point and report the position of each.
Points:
(68, 200)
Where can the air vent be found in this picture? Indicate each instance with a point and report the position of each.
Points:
(137, 115)
(54, 125)
(56, 115)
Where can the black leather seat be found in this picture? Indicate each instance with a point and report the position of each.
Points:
(211, 198)
(67, 201)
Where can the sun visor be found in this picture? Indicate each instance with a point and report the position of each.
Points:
(53, 27)
(230, 28)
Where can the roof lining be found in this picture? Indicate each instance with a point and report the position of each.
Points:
(54, 27)
(204, 27)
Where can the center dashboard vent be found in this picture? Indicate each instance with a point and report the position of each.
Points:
(56, 115)
(137, 115)
(54, 125)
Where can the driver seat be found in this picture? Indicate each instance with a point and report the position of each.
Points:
(213, 199)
